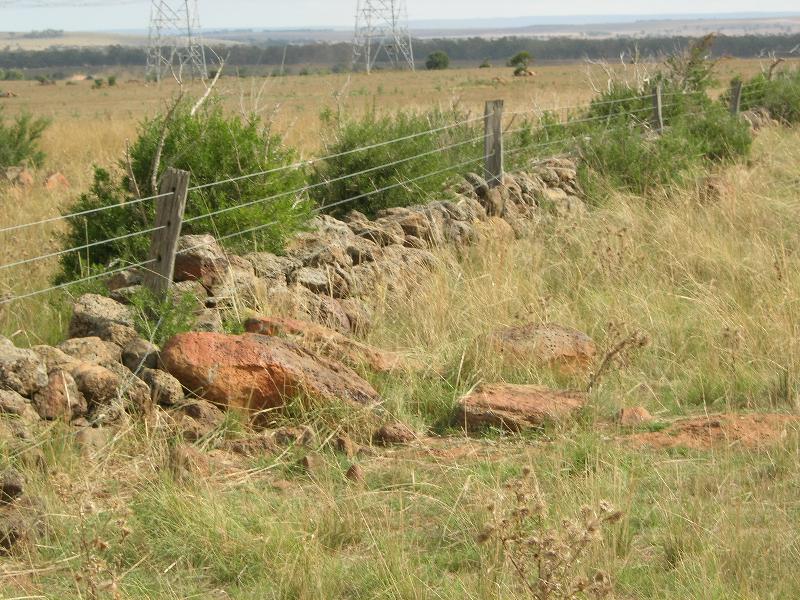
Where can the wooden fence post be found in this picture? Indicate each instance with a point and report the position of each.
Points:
(658, 111)
(169, 217)
(736, 97)
(493, 143)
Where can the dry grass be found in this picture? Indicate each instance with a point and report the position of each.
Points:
(713, 282)
(90, 127)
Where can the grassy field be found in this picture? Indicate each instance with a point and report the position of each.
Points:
(711, 282)
(92, 126)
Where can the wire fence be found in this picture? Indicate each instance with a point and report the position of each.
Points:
(491, 146)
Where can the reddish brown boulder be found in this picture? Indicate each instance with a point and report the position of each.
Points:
(634, 416)
(328, 342)
(257, 372)
(550, 344)
(60, 398)
(394, 433)
(516, 407)
(56, 181)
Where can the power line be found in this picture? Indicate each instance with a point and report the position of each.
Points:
(382, 31)
(175, 40)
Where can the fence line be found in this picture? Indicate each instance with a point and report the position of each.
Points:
(168, 239)
(334, 180)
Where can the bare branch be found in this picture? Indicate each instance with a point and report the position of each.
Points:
(209, 89)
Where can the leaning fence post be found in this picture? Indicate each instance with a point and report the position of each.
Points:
(736, 96)
(169, 219)
(658, 109)
(493, 143)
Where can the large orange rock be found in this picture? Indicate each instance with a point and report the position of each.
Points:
(330, 343)
(516, 407)
(563, 347)
(256, 372)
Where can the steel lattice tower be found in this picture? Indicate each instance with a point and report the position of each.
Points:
(176, 42)
(382, 32)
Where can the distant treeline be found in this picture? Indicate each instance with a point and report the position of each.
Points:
(459, 50)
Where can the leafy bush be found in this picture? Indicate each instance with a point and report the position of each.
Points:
(112, 80)
(520, 59)
(19, 141)
(212, 146)
(429, 171)
(780, 95)
(437, 61)
(615, 138)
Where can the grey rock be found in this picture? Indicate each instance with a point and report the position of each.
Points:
(165, 390)
(140, 354)
(98, 316)
(91, 350)
(11, 403)
(12, 485)
(209, 319)
(21, 370)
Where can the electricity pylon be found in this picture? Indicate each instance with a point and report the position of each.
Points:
(382, 33)
(176, 42)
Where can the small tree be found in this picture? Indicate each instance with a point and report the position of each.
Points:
(485, 64)
(19, 141)
(520, 60)
(214, 147)
(437, 61)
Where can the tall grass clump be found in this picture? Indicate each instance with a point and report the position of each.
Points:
(212, 146)
(19, 141)
(398, 174)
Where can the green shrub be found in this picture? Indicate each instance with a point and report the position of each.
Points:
(521, 60)
(437, 61)
(19, 141)
(12, 75)
(422, 173)
(112, 80)
(615, 138)
(97, 84)
(485, 64)
(160, 320)
(212, 146)
(779, 95)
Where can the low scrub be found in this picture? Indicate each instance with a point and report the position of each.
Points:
(398, 174)
(778, 94)
(618, 141)
(212, 146)
(19, 141)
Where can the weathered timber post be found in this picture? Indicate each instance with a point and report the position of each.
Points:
(736, 97)
(658, 109)
(493, 142)
(169, 219)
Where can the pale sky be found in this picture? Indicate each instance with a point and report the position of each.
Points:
(19, 15)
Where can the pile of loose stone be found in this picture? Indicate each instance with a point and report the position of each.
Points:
(106, 371)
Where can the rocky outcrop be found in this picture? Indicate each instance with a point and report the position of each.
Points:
(549, 344)
(516, 407)
(330, 343)
(255, 372)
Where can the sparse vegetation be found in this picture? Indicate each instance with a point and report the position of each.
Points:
(20, 140)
